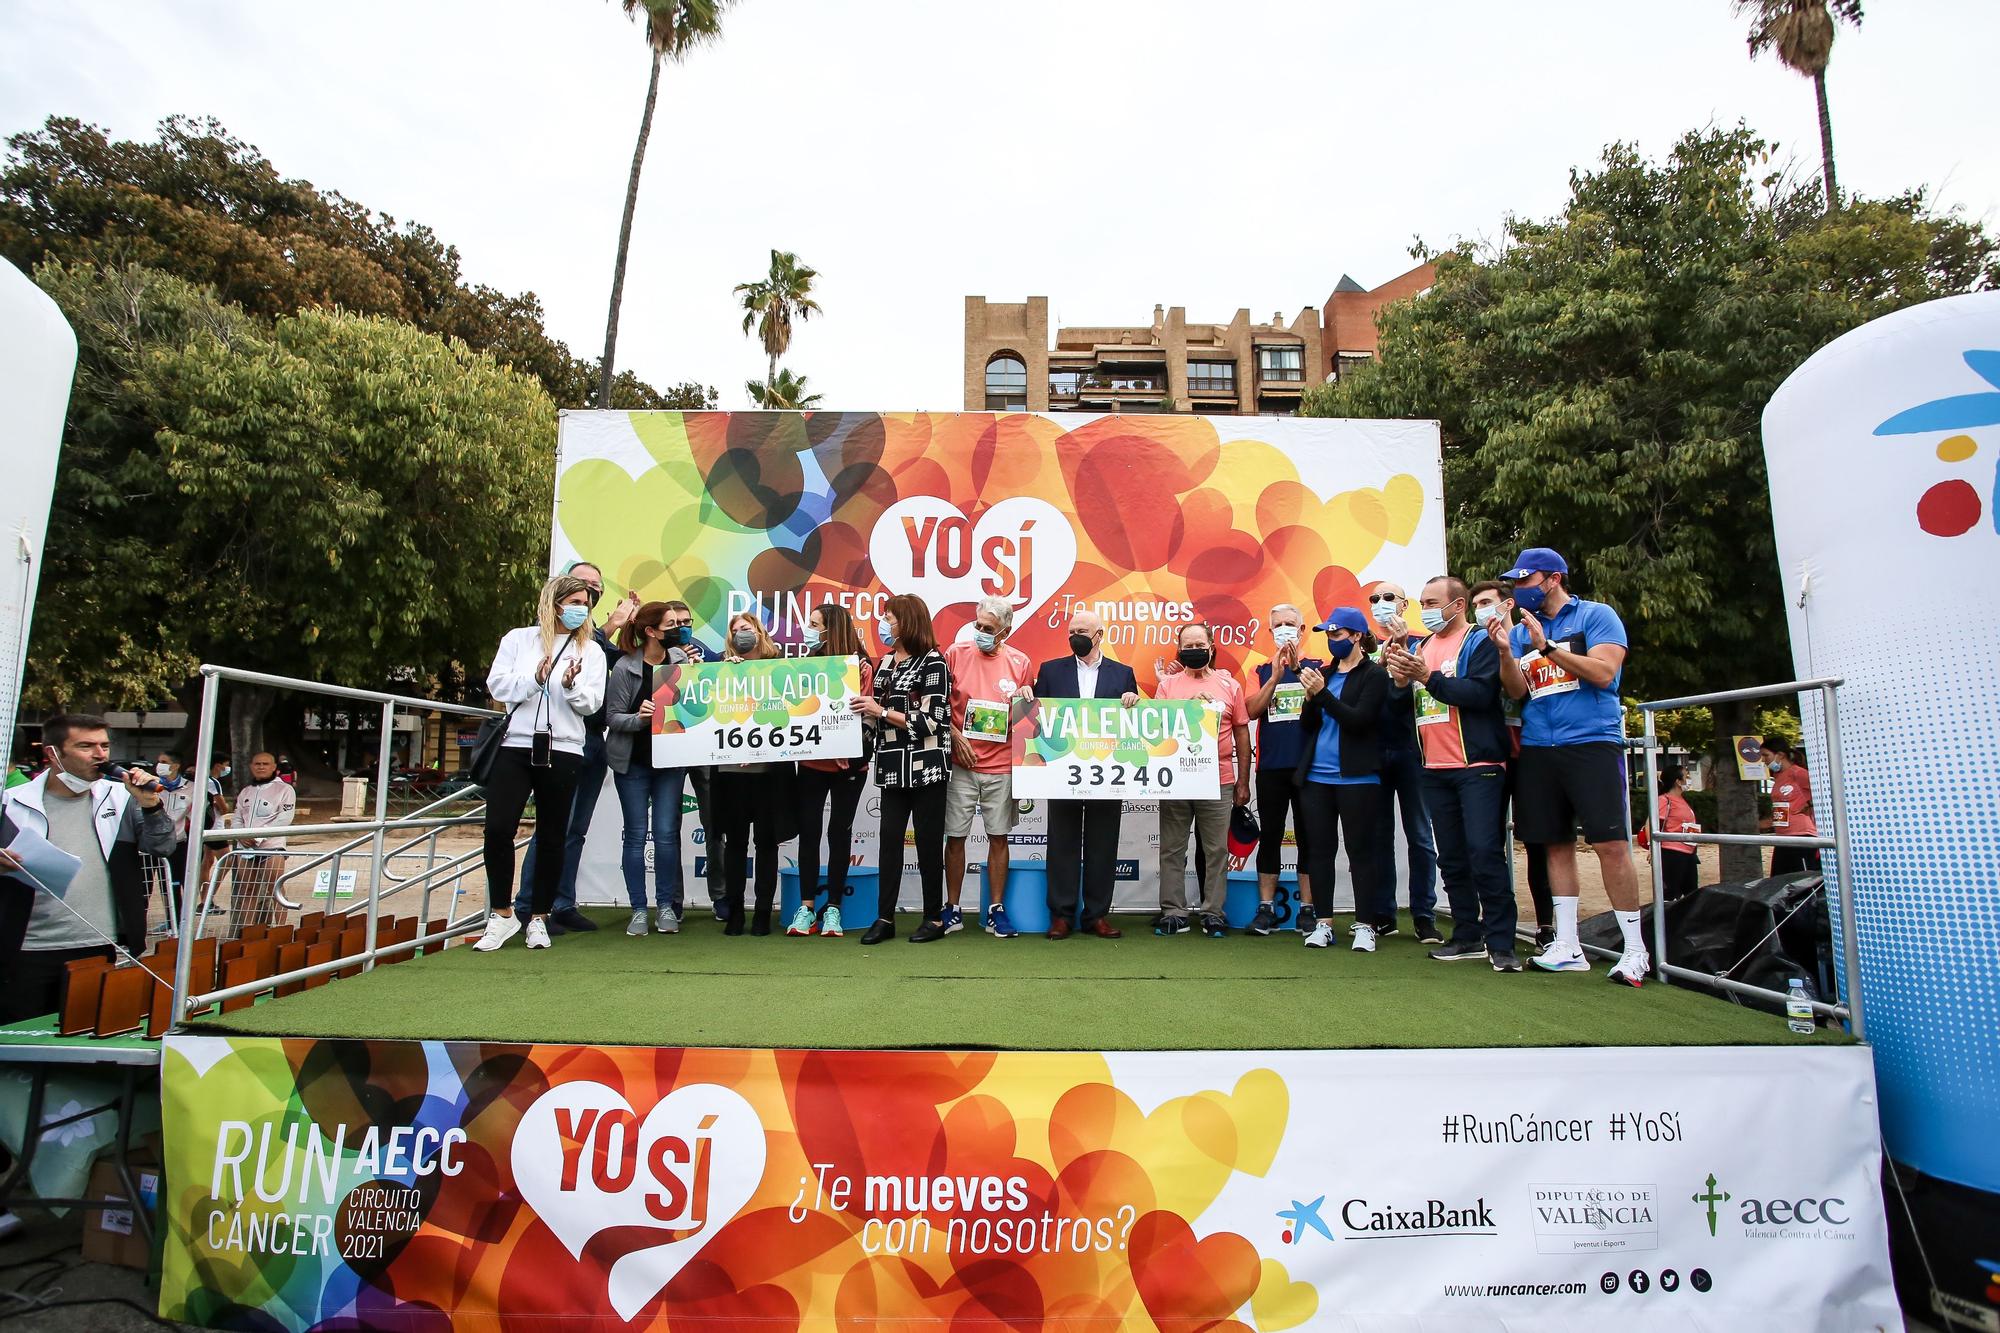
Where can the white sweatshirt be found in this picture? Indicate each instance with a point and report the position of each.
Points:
(561, 710)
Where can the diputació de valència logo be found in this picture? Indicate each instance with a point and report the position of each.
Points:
(1951, 508)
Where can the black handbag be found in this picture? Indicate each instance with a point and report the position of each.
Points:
(486, 746)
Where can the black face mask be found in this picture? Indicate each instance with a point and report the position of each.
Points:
(1194, 659)
(1080, 644)
(673, 636)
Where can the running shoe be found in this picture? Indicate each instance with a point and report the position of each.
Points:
(1632, 968)
(802, 921)
(1306, 918)
(952, 920)
(1265, 921)
(1544, 936)
(1214, 925)
(1562, 956)
(1427, 932)
(500, 927)
(667, 921)
(997, 924)
(1171, 925)
(637, 925)
(1364, 938)
(538, 934)
(1458, 953)
(1321, 936)
(1506, 962)
(829, 925)
(1384, 932)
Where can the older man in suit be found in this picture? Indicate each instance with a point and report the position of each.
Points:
(1083, 835)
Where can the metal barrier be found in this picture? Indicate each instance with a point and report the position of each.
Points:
(373, 832)
(1850, 952)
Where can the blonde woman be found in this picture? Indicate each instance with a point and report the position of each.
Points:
(754, 803)
(549, 676)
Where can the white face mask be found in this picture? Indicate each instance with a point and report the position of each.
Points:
(70, 780)
(1284, 635)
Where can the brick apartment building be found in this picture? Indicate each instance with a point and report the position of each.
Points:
(1170, 365)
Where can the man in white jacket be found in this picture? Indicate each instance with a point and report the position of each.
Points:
(266, 801)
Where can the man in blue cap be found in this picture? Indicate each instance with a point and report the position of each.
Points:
(1564, 662)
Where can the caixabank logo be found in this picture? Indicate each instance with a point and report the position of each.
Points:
(1782, 1216)
(1368, 1219)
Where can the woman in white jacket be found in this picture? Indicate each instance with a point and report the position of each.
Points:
(549, 676)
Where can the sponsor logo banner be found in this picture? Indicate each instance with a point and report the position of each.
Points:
(340, 1185)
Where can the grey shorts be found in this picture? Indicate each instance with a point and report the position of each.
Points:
(991, 794)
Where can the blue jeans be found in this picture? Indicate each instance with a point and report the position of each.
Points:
(1469, 813)
(659, 789)
(589, 786)
(1402, 776)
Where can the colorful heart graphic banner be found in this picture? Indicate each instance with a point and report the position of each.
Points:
(342, 1185)
(1148, 521)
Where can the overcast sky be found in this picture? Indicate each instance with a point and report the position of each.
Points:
(1108, 154)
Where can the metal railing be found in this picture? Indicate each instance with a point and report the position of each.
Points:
(372, 832)
(1850, 951)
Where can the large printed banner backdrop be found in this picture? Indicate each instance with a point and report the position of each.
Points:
(404, 1185)
(1150, 521)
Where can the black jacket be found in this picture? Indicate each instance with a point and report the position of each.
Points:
(1475, 693)
(1056, 679)
(1358, 710)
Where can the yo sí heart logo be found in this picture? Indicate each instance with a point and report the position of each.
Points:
(586, 1162)
(1022, 550)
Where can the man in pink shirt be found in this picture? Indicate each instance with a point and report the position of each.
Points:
(1199, 678)
(989, 688)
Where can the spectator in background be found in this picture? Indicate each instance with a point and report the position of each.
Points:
(286, 773)
(563, 915)
(1276, 704)
(1339, 758)
(649, 796)
(989, 689)
(910, 713)
(677, 627)
(1199, 678)
(1489, 599)
(1791, 808)
(179, 796)
(830, 789)
(1402, 778)
(266, 801)
(105, 825)
(1680, 871)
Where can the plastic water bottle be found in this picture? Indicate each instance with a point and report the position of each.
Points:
(1798, 1008)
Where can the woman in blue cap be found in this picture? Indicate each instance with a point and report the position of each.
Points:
(1339, 790)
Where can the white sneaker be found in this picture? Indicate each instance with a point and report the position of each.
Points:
(1562, 956)
(667, 921)
(500, 927)
(1364, 938)
(538, 934)
(637, 925)
(1321, 937)
(1632, 968)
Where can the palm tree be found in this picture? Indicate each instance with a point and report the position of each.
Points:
(673, 28)
(1801, 32)
(773, 300)
(784, 392)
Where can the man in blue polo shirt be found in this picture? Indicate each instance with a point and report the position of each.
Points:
(1564, 662)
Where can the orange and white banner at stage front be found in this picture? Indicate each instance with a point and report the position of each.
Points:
(343, 1185)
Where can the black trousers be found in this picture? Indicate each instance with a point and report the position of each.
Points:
(33, 982)
(1329, 810)
(1538, 865)
(1681, 872)
(902, 806)
(702, 781)
(738, 807)
(1792, 860)
(828, 798)
(554, 789)
(1277, 797)
(1083, 854)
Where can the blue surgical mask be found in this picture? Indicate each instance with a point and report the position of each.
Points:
(1284, 635)
(810, 639)
(1776, 767)
(1485, 612)
(575, 617)
(1384, 612)
(1433, 618)
(888, 638)
(987, 642)
(1530, 599)
(1339, 648)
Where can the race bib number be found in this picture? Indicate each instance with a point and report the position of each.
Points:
(1430, 711)
(985, 720)
(771, 711)
(1097, 749)
(1288, 702)
(1545, 677)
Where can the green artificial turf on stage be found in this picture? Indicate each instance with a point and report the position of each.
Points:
(700, 988)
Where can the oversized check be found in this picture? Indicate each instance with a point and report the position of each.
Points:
(1098, 749)
(771, 711)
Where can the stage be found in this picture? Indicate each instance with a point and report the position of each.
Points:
(970, 991)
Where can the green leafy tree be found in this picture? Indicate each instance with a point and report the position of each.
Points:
(673, 29)
(1600, 377)
(785, 393)
(1802, 32)
(772, 302)
(203, 205)
(339, 497)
